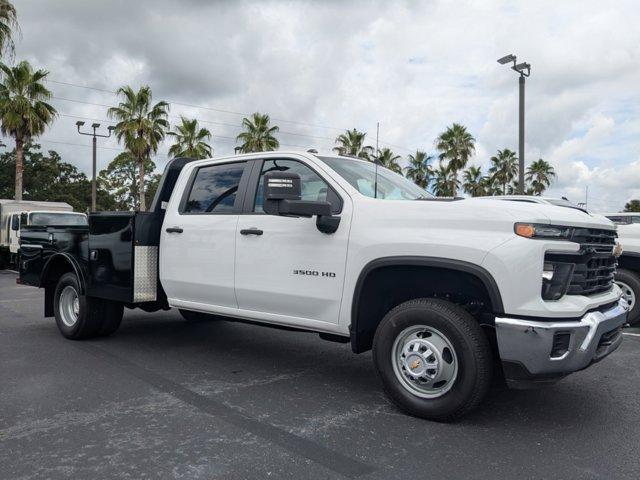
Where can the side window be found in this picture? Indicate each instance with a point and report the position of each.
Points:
(314, 188)
(620, 220)
(635, 219)
(215, 188)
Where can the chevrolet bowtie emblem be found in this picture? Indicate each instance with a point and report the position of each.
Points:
(617, 250)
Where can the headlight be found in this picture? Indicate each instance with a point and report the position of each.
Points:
(537, 230)
(555, 279)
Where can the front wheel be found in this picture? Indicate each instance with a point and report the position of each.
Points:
(433, 358)
(629, 283)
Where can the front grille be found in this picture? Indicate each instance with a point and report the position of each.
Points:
(601, 241)
(594, 264)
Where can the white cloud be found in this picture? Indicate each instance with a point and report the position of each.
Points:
(414, 66)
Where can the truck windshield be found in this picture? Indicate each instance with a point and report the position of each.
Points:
(52, 218)
(361, 175)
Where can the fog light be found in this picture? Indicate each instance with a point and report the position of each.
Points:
(547, 271)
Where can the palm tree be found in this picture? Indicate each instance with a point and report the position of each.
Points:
(141, 126)
(456, 145)
(489, 186)
(351, 144)
(504, 168)
(191, 141)
(445, 182)
(513, 189)
(24, 111)
(540, 174)
(419, 169)
(258, 135)
(8, 24)
(472, 181)
(388, 159)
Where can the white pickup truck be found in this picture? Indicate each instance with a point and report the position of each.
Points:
(628, 272)
(437, 289)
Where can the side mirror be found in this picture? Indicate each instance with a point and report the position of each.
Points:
(282, 186)
(15, 223)
(282, 196)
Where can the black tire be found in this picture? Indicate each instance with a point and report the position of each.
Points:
(95, 317)
(191, 316)
(112, 318)
(632, 280)
(472, 350)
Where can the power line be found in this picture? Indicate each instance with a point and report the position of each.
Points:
(220, 111)
(214, 136)
(178, 117)
(60, 142)
(204, 107)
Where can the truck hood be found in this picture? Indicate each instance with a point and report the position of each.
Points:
(540, 213)
(475, 214)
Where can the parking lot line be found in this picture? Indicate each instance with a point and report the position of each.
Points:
(330, 459)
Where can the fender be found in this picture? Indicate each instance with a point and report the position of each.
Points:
(69, 259)
(445, 263)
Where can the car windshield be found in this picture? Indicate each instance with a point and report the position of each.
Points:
(361, 175)
(50, 218)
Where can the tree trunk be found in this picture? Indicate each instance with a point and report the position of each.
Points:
(142, 202)
(19, 167)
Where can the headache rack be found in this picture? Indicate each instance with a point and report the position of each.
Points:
(594, 264)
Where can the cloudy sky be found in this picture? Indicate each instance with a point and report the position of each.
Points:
(320, 67)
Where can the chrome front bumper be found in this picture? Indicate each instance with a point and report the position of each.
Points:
(530, 356)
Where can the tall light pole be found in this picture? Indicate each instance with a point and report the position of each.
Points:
(524, 69)
(94, 134)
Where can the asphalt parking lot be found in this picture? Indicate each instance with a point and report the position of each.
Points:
(163, 398)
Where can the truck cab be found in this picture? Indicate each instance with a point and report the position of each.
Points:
(437, 289)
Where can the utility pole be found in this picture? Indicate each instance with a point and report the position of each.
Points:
(524, 69)
(586, 197)
(375, 187)
(94, 134)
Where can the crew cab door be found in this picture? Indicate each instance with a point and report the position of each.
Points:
(287, 271)
(198, 239)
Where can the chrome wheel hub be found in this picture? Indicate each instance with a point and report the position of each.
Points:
(627, 294)
(424, 361)
(69, 306)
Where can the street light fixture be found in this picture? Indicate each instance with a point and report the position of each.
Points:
(94, 134)
(506, 59)
(524, 70)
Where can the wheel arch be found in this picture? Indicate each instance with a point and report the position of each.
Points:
(450, 270)
(56, 266)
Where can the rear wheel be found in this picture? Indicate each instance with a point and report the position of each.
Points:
(433, 358)
(629, 282)
(79, 316)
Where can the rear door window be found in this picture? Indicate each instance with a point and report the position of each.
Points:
(215, 189)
